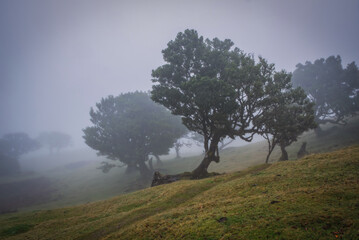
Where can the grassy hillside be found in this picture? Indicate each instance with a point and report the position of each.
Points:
(74, 179)
(240, 158)
(316, 197)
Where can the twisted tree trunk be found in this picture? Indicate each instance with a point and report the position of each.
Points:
(302, 151)
(211, 155)
(144, 170)
(284, 156)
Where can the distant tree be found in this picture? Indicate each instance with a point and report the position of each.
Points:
(130, 128)
(215, 88)
(333, 89)
(16, 144)
(287, 114)
(177, 131)
(54, 140)
(179, 144)
(12, 146)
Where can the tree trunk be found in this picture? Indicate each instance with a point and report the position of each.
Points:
(205, 144)
(302, 151)
(177, 148)
(271, 146)
(268, 155)
(144, 171)
(211, 155)
(151, 165)
(284, 156)
(131, 168)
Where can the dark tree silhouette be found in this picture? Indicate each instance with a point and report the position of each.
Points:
(333, 89)
(129, 128)
(217, 89)
(54, 140)
(287, 114)
(179, 144)
(12, 146)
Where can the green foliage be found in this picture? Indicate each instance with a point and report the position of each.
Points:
(217, 89)
(333, 89)
(16, 144)
(130, 127)
(17, 229)
(286, 114)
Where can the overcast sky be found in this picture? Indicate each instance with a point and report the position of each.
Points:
(58, 58)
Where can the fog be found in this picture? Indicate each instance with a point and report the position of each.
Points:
(58, 58)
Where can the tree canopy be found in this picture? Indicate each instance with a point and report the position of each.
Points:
(130, 127)
(286, 115)
(16, 144)
(54, 140)
(12, 146)
(333, 89)
(217, 89)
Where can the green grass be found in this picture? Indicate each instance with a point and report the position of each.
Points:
(88, 184)
(239, 158)
(15, 230)
(316, 197)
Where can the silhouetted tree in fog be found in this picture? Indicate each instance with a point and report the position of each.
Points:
(333, 89)
(12, 146)
(287, 113)
(216, 89)
(179, 144)
(54, 140)
(129, 128)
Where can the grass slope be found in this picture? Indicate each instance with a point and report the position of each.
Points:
(316, 197)
(78, 184)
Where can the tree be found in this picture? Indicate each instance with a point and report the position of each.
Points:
(177, 131)
(287, 114)
(179, 144)
(16, 144)
(12, 146)
(129, 128)
(215, 88)
(333, 89)
(54, 140)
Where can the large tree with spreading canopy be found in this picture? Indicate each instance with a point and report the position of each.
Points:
(129, 128)
(334, 89)
(287, 113)
(217, 89)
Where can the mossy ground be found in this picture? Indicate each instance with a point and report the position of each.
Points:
(316, 197)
